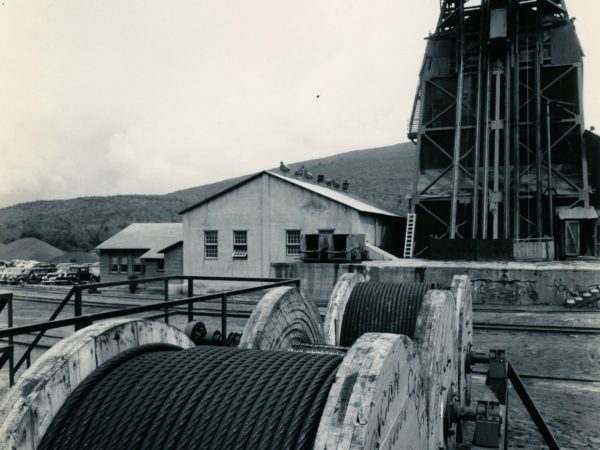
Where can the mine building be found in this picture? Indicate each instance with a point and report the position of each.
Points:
(504, 161)
(143, 250)
(270, 218)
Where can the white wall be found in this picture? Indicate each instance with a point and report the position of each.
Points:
(266, 207)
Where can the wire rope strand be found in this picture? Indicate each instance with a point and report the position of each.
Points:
(382, 307)
(207, 398)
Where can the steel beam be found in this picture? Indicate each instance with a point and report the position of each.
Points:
(539, 58)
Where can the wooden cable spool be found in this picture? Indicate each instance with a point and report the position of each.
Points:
(390, 391)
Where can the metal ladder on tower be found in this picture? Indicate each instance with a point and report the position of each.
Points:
(409, 238)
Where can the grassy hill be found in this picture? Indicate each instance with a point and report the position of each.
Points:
(380, 175)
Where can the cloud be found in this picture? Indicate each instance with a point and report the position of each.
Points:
(117, 97)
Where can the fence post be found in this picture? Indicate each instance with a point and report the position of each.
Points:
(78, 307)
(224, 319)
(190, 294)
(166, 300)
(11, 354)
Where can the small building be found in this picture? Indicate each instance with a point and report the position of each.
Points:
(261, 220)
(141, 249)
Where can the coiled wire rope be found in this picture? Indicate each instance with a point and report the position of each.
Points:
(159, 396)
(382, 307)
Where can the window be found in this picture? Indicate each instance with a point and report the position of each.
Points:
(138, 267)
(161, 265)
(118, 264)
(240, 244)
(292, 242)
(211, 245)
(114, 264)
(123, 265)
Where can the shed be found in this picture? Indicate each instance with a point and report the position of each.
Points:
(136, 250)
(577, 230)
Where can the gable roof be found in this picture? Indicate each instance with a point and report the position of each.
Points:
(331, 194)
(159, 251)
(151, 237)
(171, 247)
(30, 249)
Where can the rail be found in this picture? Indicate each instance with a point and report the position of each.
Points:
(552, 329)
(79, 320)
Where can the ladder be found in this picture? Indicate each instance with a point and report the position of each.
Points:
(409, 238)
(415, 119)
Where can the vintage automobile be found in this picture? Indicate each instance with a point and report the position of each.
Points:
(6, 272)
(36, 274)
(51, 278)
(77, 275)
(17, 275)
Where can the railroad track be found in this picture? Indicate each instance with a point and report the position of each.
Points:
(537, 311)
(530, 376)
(98, 304)
(232, 313)
(525, 328)
(19, 292)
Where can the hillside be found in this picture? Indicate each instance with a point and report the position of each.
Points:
(379, 175)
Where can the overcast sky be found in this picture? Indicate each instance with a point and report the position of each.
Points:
(101, 97)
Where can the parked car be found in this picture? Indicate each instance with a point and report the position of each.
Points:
(6, 272)
(51, 278)
(10, 275)
(77, 275)
(3, 270)
(17, 275)
(35, 275)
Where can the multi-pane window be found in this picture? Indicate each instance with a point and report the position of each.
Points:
(292, 242)
(114, 264)
(240, 244)
(161, 265)
(211, 245)
(118, 264)
(138, 267)
(123, 265)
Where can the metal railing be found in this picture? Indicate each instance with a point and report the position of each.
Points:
(79, 320)
(7, 352)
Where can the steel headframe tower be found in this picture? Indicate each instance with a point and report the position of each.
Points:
(498, 121)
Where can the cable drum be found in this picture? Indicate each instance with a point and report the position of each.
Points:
(382, 307)
(162, 397)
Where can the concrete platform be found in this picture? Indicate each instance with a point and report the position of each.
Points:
(505, 282)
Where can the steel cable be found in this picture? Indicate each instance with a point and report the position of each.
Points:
(382, 307)
(161, 397)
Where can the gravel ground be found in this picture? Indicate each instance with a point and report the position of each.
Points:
(571, 411)
(557, 355)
